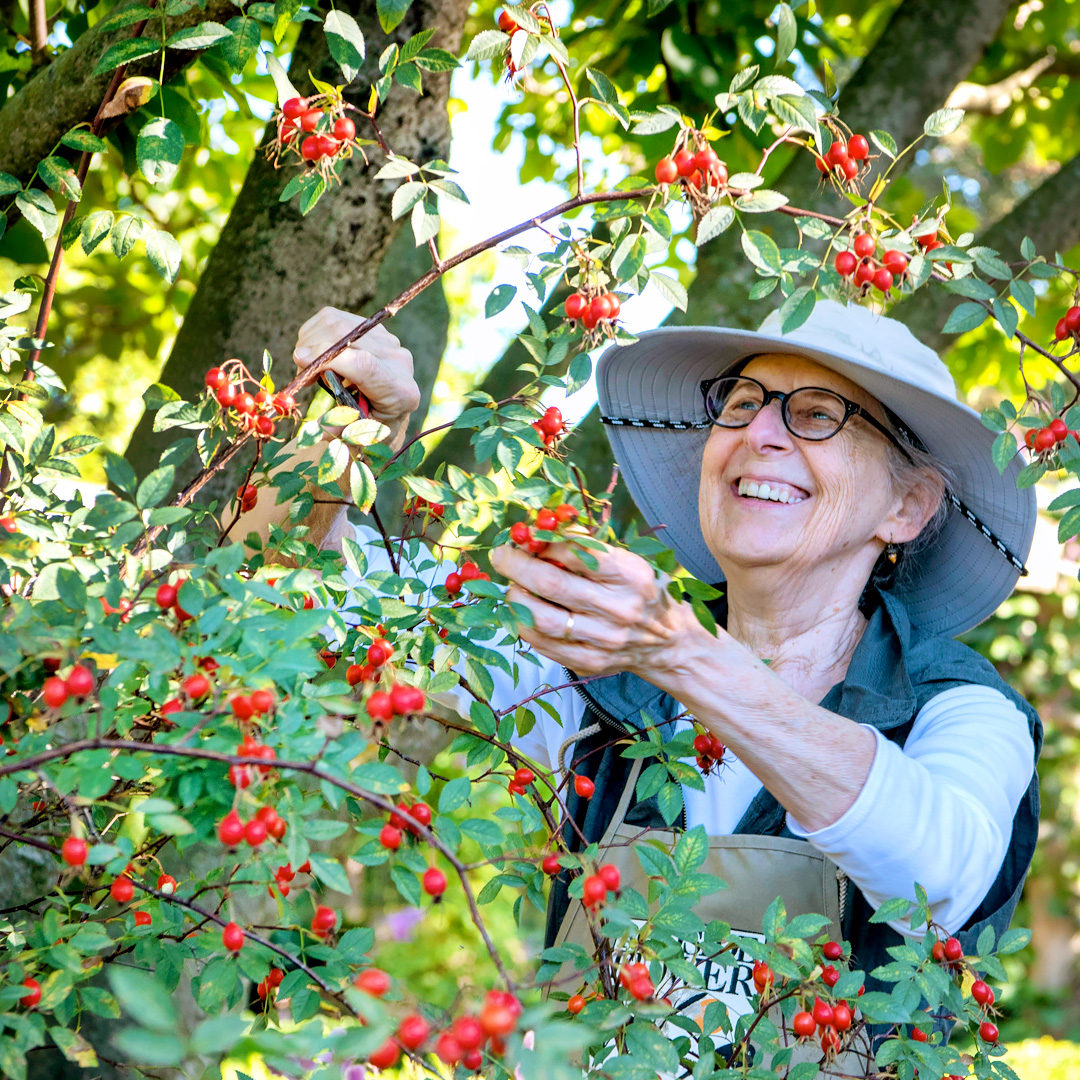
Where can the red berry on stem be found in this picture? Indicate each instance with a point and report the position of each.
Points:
(216, 378)
(832, 950)
(413, 1031)
(614, 304)
(842, 1016)
(894, 261)
(829, 975)
(803, 1024)
(938, 952)
(165, 596)
(610, 876)
(196, 686)
(524, 777)
(232, 937)
(310, 149)
(32, 995)
(1044, 440)
(385, 1056)
(667, 171)
(575, 1004)
(74, 850)
(584, 787)
(310, 120)
(823, 1013)
(433, 882)
(1057, 426)
(988, 1032)
(506, 23)
(684, 162)
(54, 692)
(851, 168)
(575, 306)
(1060, 333)
(551, 423)
(547, 521)
(328, 145)
(864, 245)
(593, 890)
(143, 918)
(166, 883)
(858, 147)
(1072, 319)
(230, 829)
(379, 706)
(453, 583)
(550, 864)
(372, 981)
(226, 395)
(981, 992)
(845, 263)
(883, 280)
(255, 832)
(600, 307)
(836, 154)
(953, 949)
(262, 701)
(565, 512)
(390, 837)
(520, 533)
(122, 889)
(294, 108)
(323, 921)
(344, 129)
(865, 272)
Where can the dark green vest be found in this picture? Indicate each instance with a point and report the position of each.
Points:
(893, 673)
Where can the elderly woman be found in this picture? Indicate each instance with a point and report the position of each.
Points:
(847, 502)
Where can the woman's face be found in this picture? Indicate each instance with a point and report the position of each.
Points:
(839, 505)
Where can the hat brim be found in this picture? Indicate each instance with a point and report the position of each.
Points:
(950, 586)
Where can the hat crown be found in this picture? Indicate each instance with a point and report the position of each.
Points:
(884, 344)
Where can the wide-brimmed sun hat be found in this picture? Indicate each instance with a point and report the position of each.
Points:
(651, 401)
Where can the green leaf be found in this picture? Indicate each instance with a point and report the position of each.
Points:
(671, 289)
(406, 197)
(437, 60)
(60, 176)
(943, 122)
(391, 12)
(454, 795)
(331, 873)
(1022, 292)
(8, 184)
(79, 138)
(159, 148)
(143, 998)
(786, 35)
(499, 299)
(155, 487)
(965, 317)
(604, 87)
(126, 52)
(38, 209)
(334, 461)
(487, 45)
(346, 42)
(95, 227)
(1006, 316)
(125, 233)
(116, 20)
(669, 802)
(761, 250)
(890, 910)
(884, 142)
(152, 1048)
(362, 486)
(201, 36)
(692, 849)
(715, 221)
(425, 223)
(1013, 941)
(163, 251)
(796, 309)
(988, 262)
(244, 43)
(761, 202)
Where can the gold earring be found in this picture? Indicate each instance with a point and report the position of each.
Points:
(891, 552)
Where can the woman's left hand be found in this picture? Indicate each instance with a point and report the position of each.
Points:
(616, 617)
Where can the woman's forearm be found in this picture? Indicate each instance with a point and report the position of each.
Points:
(813, 761)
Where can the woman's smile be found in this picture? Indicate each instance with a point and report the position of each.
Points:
(768, 489)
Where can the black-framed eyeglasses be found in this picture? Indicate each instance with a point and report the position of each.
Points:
(809, 412)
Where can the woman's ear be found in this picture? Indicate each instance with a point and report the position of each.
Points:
(914, 507)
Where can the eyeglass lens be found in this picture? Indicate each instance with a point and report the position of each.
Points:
(809, 413)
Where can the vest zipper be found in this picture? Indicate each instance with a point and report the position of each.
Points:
(608, 720)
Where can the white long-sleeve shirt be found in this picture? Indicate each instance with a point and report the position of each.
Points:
(938, 811)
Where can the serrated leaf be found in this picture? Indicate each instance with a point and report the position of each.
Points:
(244, 43)
(1006, 316)
(201, 36)
(715, 221)
(391, 12)
(79, 138)
(38, 209)
(943, 122)
(60, 176)
(331, 873)
(487, 45)
(8, 184)
(334, 461)
(362, 487)
(396, 168)
(796, 309)
(437, 60)
(125, 233)
(143, 998)
(786, 35)
(761, 250)
(654, 123)
(670, 288)
(159, 148)
(603, 86)
(310, 194)
(346, 42)
(884, 142)
(116, 20)
(964, 317)
(425, 223)
(163, 251)
(126, 52)
(155, 487)
(1022, 292)
(406, 197)
(761, 202)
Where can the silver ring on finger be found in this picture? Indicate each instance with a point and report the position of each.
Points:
(568, 629)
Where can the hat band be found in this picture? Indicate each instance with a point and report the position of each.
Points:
(693, 425)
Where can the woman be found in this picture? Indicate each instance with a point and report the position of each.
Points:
(848, 503)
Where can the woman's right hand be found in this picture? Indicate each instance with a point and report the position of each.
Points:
(377, 364)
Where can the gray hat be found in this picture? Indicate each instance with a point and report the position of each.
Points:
(650, 399)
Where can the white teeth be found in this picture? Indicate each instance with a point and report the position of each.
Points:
(772, 492)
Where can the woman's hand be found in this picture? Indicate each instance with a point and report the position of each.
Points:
(618, 617)
(377, 364)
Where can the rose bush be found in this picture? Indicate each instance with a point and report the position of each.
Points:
(197, 730)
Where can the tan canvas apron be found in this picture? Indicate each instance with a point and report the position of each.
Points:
(756, 869)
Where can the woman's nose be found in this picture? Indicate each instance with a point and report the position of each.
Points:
(767, 429)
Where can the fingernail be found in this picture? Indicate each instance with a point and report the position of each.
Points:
(302, 353)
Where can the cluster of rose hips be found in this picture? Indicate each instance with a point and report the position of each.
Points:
(522, 779)
(550, 426)
(1046, 439)
(710, 751)
(636, 981)
(242, 776)
(546, 520)
(461, 1043)
(232, 829)
(123, 889)
(843, 157)
(270, 983)
(866, 272)
(592, 308)
(166, 597)
(247, 495)
(700, 169)
(325, 132)
(256, 412)
(467, 571)
(950, 954)
(1068, 325)
(418, 506)
(78, 684)
(595, 887)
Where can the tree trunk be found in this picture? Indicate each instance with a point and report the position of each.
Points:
(272, 268)
(66, 92)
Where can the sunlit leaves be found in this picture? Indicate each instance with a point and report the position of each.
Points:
(159, 148)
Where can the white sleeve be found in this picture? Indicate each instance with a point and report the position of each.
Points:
(542, 743)
(940, 810)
